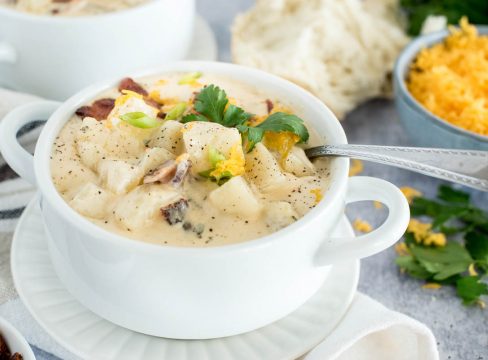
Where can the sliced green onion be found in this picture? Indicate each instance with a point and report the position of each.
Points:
(215, 156)
(176, 111)
(189, 78)
(140, 120)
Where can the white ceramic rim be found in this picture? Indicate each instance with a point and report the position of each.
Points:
(65, 20)
(8, 328)
(27, 299)
(66, 110)
(402, 65)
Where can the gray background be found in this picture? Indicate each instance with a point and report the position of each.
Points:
(462, 333)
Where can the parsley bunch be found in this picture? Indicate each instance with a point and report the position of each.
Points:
(418, 10)
(212, 104)
(463, 261)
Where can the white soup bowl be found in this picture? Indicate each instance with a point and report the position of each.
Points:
(198, 293)
(55, 56)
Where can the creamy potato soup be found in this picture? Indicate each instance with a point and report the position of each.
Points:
(188, 160)
(70, 7)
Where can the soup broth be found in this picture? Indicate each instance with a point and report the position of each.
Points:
(70, 7)
(148, 161)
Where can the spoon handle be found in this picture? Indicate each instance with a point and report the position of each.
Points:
(466, 167)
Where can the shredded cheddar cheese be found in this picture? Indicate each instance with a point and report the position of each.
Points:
(419, 229)
(126, 95)
(356, 168)
(472, 271)
(423, 235)
(281, 142)
(318, 195)
(451, 79)
(377, 205)
(436, 239)
(187, 127)
(234, 165)
(258, 119)
(362, 226)
(432, 286)
(410, 193)
(402, 249)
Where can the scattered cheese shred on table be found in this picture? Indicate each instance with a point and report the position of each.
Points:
(362, 226)
(451, 79)
(472, 270)
(402, 249)
(410, 193)
(356, 168)
(422, 233)
(431, 286)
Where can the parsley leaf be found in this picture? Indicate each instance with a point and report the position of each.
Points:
(451, 213)
(449, 194)
(412, 267)
(470, 288)
(235, 116)
(212, 104)
(477, 245)
(276, 122)
(443, 262)
(193, 117)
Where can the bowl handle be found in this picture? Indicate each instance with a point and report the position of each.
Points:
(19, 159)
(362, 188)
(8, 54)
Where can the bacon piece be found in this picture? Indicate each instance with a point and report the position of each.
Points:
(181, 170)
(17, 356)
(98, 110)
(175, 212)
(152, 103)
(129, 84)
(171, 171)
(269, 105)
(164, 173)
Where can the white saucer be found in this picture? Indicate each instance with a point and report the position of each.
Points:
(203, 45)
(91, 337)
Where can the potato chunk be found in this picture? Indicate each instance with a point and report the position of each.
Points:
(236, 197)
(154, 157)
(280, 214)
(298, 163)
(199, 137)
(169, 137)
(142, 206)
(129, 103)
(306, 195)
(119, 176)
(263, 170)
(90, 141)
(92, 201)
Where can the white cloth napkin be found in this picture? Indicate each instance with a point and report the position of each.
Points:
(368, 330)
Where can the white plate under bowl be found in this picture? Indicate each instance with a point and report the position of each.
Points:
(91, 337)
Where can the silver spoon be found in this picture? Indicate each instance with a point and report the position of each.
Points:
(466, 167)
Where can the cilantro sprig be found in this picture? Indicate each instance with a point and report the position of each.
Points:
(212, 104)
(463, 261)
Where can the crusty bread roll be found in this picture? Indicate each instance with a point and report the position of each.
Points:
(340, 50)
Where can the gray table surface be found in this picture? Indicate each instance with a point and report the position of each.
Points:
(461, 332)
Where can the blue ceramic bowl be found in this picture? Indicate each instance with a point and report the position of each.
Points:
(423, 127)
